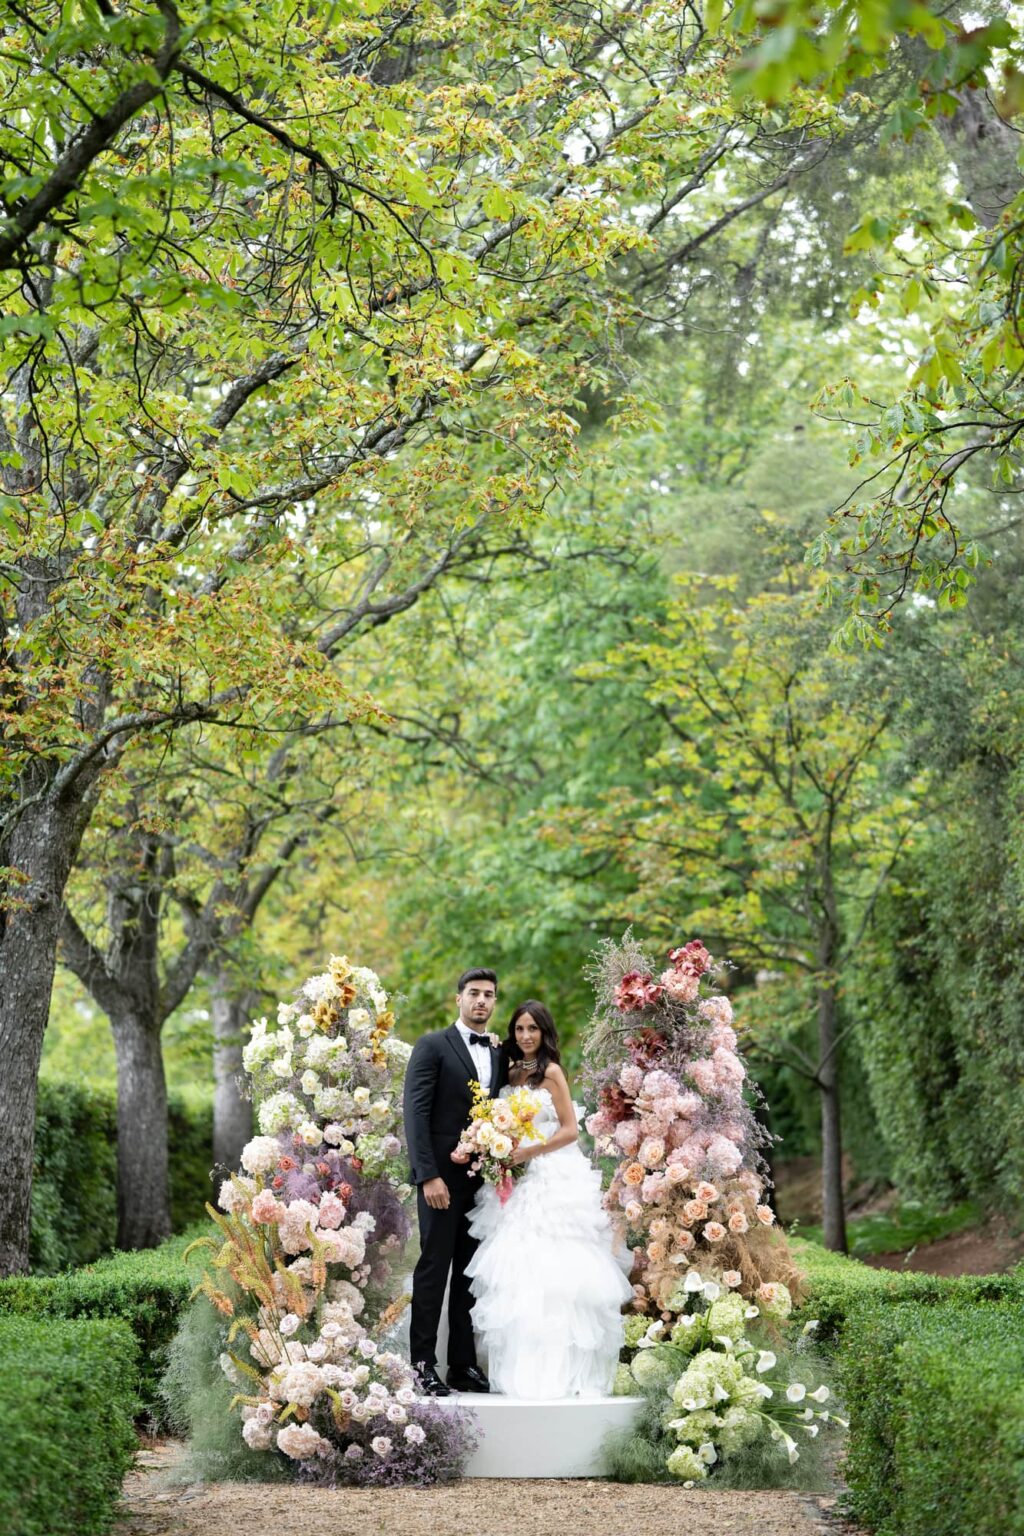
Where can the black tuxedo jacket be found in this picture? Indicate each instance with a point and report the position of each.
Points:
(437, 1101)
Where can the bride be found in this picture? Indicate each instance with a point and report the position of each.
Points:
(548, 1289)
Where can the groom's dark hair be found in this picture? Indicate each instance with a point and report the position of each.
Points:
(477, 975)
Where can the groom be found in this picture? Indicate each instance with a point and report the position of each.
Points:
(438, 1099)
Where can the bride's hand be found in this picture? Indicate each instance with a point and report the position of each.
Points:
(520, 1154)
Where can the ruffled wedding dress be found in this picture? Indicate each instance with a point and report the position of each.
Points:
(548, 1288)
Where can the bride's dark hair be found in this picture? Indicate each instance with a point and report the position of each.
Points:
(547, 1051)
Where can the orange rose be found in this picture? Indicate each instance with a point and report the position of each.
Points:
(634, 1174)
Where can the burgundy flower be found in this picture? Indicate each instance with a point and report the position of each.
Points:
(646, 1047)
(615, 1104)
(637, 990)
(692, 958)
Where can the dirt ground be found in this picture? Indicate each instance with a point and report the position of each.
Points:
(985, 1250)
(476, 1507)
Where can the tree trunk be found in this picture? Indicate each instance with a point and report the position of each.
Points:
(833, 1209)
(232, 1112)
(41, 848)
(143, 1189)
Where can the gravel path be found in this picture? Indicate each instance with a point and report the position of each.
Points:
(476, 1507)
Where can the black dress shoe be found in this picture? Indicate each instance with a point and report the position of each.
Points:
(468, 1378)
(430, 1381)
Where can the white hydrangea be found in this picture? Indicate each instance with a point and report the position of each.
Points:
(279, 1112)
(260, 1155)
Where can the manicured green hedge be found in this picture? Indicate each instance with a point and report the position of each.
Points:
(932, 1374)
(837, 1285)
(935, 1396)
(74, 1194)
(67, 1400)
(145, 1290)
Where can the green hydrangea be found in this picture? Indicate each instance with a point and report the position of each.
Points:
(710, 1369)
(695, 1428)
(726, 1315)
(624, 1384)
(636, 1327)
(648, 1370)
(779, 1303)
(688, 1338)
(685, 1464)
(738, 1428)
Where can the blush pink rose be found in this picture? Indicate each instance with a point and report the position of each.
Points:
(714, 1231)
(738, 1222)
(685, 1241)
(694, 1210)
(765, 1215)
(652, 1152)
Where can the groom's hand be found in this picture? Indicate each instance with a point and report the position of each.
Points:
(435, 1193)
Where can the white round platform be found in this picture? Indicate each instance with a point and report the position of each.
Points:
(534, 1437)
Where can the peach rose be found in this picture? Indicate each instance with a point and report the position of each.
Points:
(652, 1151)
(634, 1174)
(685, 1241)
(706, 1192)
(634, 1211)
(765, 1215)
(678, 1173)
(656, 1252)
(714, 1231)
(694, 1210)
(738, 1222)
(660, 1228)
(732, 1278)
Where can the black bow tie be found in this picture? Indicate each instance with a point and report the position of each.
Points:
(479, 1040)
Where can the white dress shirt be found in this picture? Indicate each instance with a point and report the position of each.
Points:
(480, 1054)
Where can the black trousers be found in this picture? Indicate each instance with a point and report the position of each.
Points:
(445, 1244)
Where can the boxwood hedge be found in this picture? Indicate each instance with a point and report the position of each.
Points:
(145, 1290)
(67, 1400)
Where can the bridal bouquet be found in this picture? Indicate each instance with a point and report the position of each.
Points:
(496, 1128)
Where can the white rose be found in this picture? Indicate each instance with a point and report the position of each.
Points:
(310, 1133)
(281, 1066)
(310, 1082)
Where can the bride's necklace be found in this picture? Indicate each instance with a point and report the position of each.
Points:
(527, 1066)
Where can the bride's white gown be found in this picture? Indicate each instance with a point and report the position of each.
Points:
(548, 1288)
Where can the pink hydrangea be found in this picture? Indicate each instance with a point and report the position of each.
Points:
(652, 1188)
(722, 1038)
(631, 1079)
(716, 1010)
(680, 986)
(599, 1124)
(267, 1207)
(725, 1155)
(659, 1084)
(728, 1066)
(332, 1210)
(297, 1216)
(704, 1075)
(628, 1136)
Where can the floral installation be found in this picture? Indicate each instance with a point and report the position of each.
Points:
(496, 1128)
(665, 1072)
(310, 1233)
